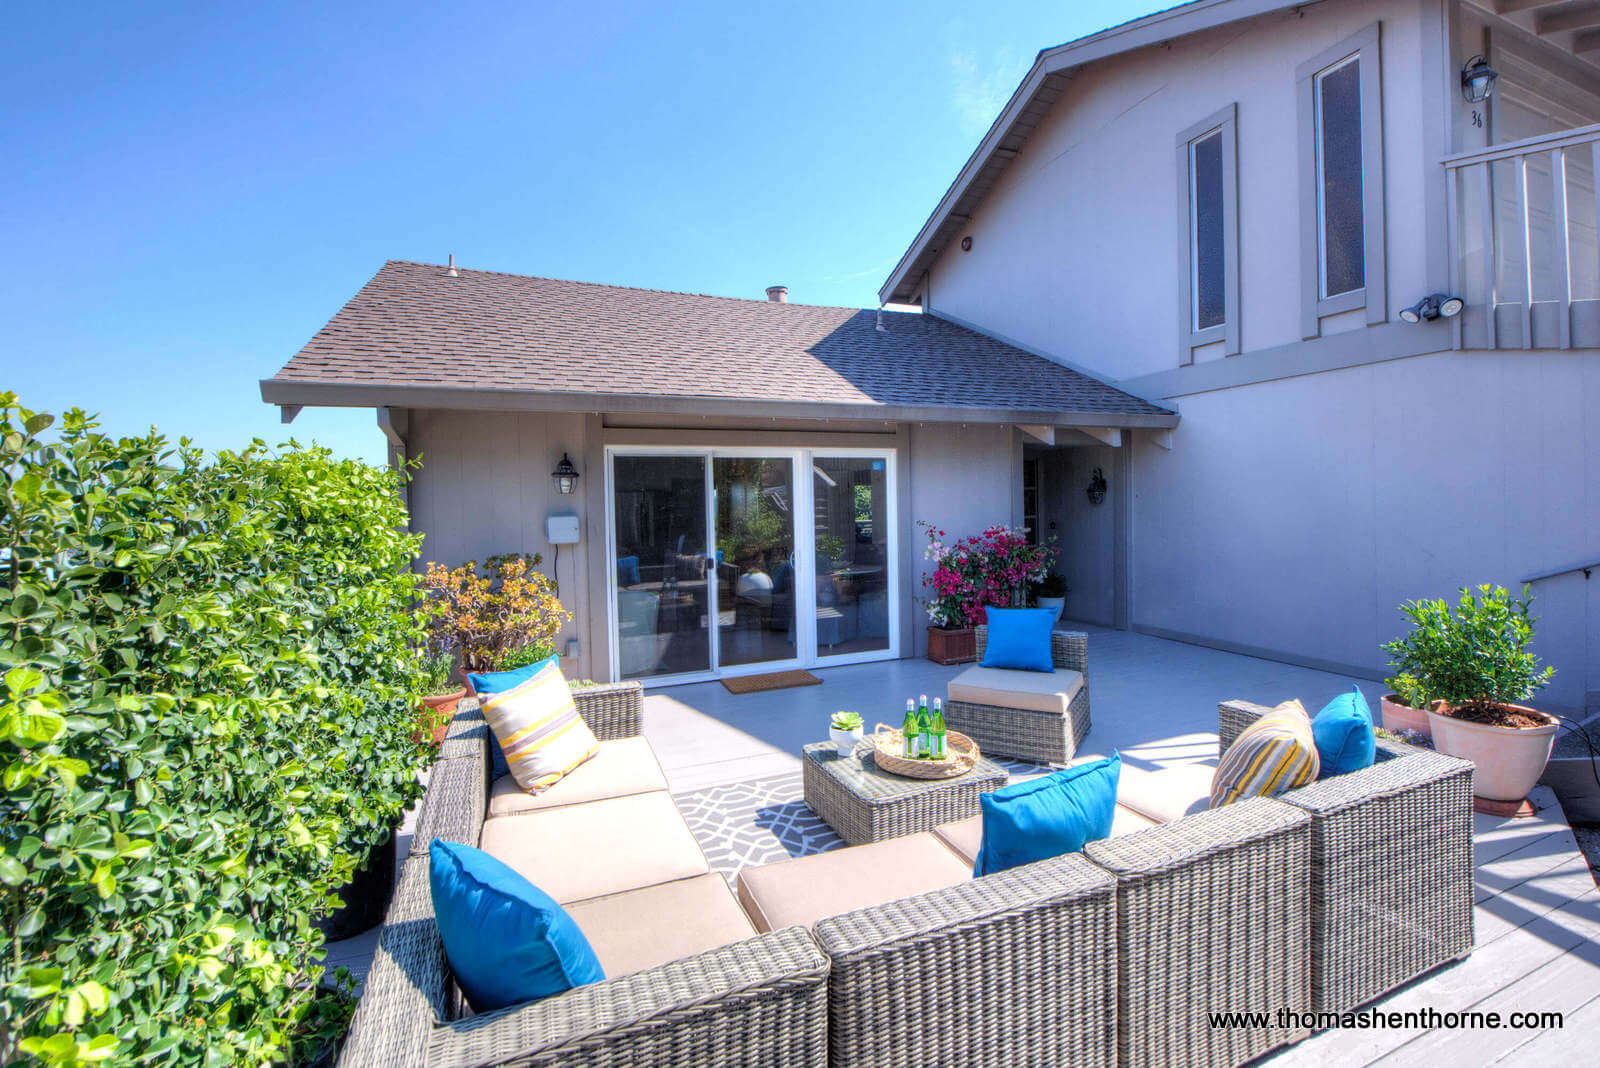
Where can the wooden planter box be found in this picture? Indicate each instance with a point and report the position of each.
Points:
(952, 646)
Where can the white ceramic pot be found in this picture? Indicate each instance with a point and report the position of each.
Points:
(845, 741)
(1509, 760)
(1401, 717)
(1058, 604)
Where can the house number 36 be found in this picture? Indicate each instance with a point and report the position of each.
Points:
(1477, 118)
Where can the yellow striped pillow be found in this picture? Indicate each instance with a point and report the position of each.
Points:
(539, 729)
(1275, 753)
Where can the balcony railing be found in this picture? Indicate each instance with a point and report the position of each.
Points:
(1524, 241)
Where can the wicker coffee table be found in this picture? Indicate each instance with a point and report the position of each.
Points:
(865, 804)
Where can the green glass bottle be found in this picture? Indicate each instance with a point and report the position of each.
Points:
(908, 729)
(924, 729)
(936, 721)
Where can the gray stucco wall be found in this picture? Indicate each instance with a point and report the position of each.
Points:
(965, 477)
(1294, 516)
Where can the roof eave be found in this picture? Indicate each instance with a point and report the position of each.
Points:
(902, 283)
(296, 392)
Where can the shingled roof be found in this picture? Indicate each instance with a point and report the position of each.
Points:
(416, 335)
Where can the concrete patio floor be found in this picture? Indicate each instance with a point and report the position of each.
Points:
(1155, 701)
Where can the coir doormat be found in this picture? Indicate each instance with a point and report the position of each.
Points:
(772, 680)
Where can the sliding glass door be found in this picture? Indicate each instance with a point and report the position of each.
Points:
(734, 561)
(754, 510)
(850, 501)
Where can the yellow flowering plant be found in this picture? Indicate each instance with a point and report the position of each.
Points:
(485, 613)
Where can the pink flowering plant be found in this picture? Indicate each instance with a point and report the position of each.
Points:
(989, 569)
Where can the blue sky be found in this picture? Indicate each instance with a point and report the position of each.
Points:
(191, 190)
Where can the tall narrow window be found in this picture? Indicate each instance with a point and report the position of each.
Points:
(1341, 265)
(1205, 223)
(1341, 176)
(1208, 198)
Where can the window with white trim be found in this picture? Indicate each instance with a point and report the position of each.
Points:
(1208, 252)
(1341, 175)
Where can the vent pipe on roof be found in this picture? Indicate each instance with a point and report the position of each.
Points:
(778, 294)
(453, 272)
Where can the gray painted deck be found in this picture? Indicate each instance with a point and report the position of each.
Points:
(1155, 701)
(1538, 911)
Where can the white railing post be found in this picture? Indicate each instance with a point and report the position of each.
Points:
(1558, 219)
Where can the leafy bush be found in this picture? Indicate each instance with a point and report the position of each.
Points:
(1052, 585)
(486, 615)
(205, 725)
(1477, 654)
(523, 656)
(436, 674)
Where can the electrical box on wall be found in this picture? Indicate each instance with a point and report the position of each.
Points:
(561, 529)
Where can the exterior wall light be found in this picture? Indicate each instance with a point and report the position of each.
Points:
(1097, 487)
(1432, 307)
(1477, 80)
(566, 475)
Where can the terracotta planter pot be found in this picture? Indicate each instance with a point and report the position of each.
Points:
(952, 646)
(1509, 760)
(1402, 717)
(434, 715)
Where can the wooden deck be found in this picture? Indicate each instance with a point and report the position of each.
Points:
(1538, 950)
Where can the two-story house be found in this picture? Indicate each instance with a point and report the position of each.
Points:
(1274, 314)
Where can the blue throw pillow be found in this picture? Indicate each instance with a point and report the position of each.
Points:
(506, 940)
(501, 681)
(1019, 638)
(1344, 735)
(1048, 816)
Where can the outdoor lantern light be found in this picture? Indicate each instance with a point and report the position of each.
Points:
(565, 474)
(1097, 487)
(1432, 307)
(1477, 80)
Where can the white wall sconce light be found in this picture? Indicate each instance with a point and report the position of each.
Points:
(1431, 307)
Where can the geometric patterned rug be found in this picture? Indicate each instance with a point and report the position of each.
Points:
(764, 820)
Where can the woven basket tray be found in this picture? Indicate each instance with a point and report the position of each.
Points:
(888, 743)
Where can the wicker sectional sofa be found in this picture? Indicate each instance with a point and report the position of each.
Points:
(891, 954)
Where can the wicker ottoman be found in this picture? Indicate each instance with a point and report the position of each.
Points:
(865, 804)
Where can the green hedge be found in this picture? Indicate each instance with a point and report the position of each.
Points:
(205, 724)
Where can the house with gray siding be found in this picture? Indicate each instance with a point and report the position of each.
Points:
(1208, 256)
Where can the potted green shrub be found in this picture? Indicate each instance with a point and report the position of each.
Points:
(845, 731)
(1051, 592)
(1474, 667)
(441, 694)
(1405, 706)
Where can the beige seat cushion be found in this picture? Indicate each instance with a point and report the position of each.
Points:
(1166, 795)
(808, 889)
(622, 767)
(604, 847)
(642, 929)
(966, 836)
(1038, 691)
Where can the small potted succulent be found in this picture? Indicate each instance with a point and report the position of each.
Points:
(845, 731)
(1051, 592)
(1474, 667)
(442, 694)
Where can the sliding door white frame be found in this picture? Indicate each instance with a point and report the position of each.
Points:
(801, 465)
